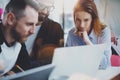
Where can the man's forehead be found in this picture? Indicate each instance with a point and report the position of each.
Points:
(45, 2)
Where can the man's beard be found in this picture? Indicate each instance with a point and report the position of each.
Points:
(42, 19)
(16, 35)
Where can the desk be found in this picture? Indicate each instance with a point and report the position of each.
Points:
(108, 73)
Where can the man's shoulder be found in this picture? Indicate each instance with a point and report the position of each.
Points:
(52, 21)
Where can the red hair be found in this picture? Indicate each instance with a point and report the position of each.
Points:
(90, 7)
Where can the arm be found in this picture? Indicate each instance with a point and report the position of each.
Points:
(113, 38)
(69, 41)
(106, 39)
(73, 39)
(85, 37)
(60, 34)
(2, 65)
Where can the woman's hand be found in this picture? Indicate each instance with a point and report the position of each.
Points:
(2, 65)
(85, 37)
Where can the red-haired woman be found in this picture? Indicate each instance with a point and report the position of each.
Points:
(89, 30)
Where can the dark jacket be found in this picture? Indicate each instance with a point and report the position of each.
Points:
(50, 33)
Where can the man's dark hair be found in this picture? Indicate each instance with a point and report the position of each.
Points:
(18, 6)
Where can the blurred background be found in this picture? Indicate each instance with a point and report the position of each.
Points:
(63, 13)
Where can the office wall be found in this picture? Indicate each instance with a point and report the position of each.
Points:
(3, 3)
(109, 14)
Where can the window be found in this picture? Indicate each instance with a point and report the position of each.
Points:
(63, 14)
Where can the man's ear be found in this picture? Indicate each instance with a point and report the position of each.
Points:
(11, 18)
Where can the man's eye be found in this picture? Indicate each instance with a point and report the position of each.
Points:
(29, 24)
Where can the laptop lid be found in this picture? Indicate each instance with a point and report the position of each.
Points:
(77, 59)
(39, 73)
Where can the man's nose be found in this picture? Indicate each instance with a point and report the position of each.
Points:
(32, 30)
(45, 11)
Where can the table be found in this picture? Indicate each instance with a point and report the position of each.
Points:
(108, 74)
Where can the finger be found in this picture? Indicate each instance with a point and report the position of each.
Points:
(80, 34)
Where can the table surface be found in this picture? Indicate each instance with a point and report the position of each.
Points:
(108, 74)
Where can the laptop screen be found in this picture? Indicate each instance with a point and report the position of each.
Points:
(82, 59)
(39, 73)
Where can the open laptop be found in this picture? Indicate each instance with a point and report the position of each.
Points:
(77, 59)
(39, 73)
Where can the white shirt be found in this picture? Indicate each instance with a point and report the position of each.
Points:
(9, 56)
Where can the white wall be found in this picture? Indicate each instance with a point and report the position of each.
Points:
(3, 3)
(109, 11)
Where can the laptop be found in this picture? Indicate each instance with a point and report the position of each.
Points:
(39, 73)
(78, 59)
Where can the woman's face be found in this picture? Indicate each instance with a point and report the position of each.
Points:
(83, 21)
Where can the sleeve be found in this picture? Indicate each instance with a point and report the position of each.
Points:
(59, 34)
(106, 39)
(69, 39)
(58, 31)
(51, 32)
